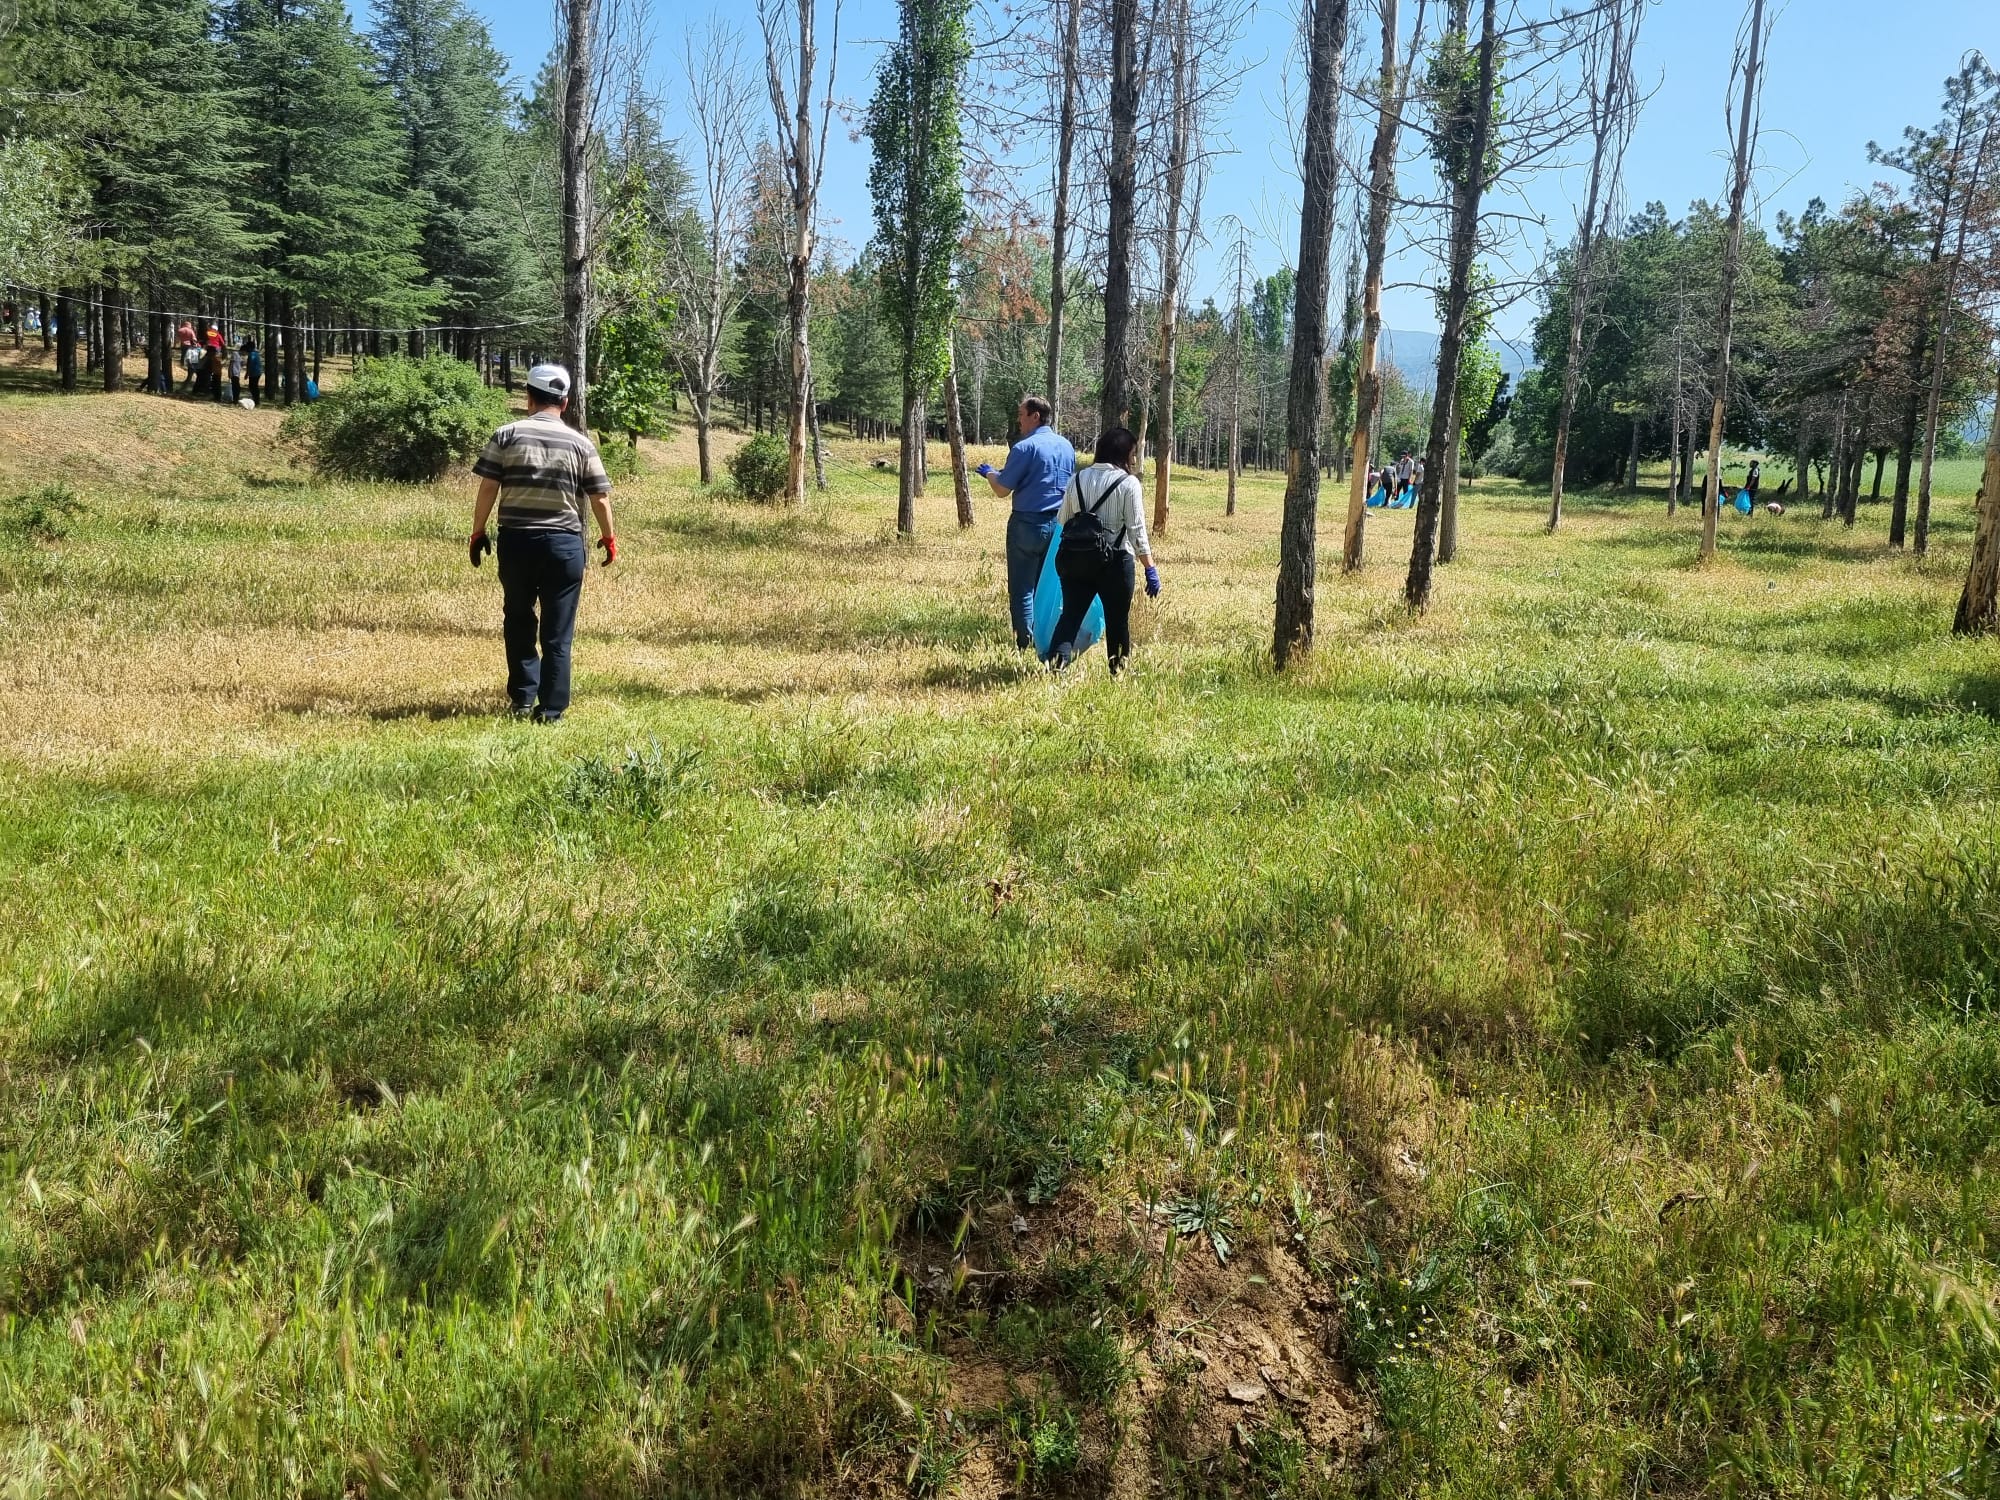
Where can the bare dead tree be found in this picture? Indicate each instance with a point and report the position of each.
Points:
(1181, 128)
(1732, 254)
(720, 101)
(1613, 111)
(1121, 208)
(1292, 634)
(1236, 374)
(803, 161)
(954, 431)
(1968, 211)
(577, 25)
(1468, 188)
(1391, 98)
(1071, 86)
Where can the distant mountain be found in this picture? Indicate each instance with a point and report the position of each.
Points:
(1415, 356)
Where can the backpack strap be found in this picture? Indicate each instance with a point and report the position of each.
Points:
(1103, 495)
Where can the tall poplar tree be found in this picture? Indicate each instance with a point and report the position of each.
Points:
(913, 121)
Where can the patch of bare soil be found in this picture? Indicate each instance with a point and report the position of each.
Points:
(1216, 1358)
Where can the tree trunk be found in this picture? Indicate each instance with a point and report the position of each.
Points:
(1236, 380)
(1906, 451)
(1979, 604)
(1632, 462)
(1965, 216)
(819, 450)
(1451, 339)
(114, 343)
(1860, 455)
(1122, 214)
(1676, 473)
(1604, 112)
(702, 446)
(1306, 399)
(1711, 489)
(1448, 507)
(579, 84)
(954, 432)
(907, 481)
(1368, 379)
(1875, 490)
(1829, 500)
(1170, 268)
(1059, 229)
(66, 339)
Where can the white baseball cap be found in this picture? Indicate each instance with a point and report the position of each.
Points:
(549, 380)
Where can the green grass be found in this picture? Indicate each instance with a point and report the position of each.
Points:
(1551, 1045)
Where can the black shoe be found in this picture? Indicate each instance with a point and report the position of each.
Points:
(543, 716)
(1061, 660)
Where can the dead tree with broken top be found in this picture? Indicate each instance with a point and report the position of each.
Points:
(1464, 141)
(1732, 254)
(1392, 96)
(802, 160)
(1613, 111)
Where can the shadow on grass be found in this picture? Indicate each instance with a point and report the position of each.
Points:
(438, 710)
(723, 528)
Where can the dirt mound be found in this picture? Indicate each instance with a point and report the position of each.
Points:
(1091, 1350)
(131, 439)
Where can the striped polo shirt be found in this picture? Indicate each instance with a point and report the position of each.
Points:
(547, 471)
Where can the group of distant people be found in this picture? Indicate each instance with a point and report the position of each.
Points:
(206, 359)
(1395, 486)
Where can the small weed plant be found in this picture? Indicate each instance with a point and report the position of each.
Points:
(44, 514)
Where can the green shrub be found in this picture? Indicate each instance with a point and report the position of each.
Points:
(44, 514)
(398, 419)
(761, 467)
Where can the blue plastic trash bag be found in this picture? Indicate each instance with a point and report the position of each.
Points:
(1744, 504)
(1048, 609)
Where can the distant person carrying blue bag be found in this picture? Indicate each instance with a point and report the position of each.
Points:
(1103, 534)
(1037, 470)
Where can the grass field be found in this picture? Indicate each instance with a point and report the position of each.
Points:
(1550, 1046)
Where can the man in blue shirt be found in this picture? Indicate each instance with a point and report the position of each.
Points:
(1038, 469)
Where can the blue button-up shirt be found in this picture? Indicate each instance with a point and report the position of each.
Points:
(1038, 470)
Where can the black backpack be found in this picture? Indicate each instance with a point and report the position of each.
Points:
(1083, 535)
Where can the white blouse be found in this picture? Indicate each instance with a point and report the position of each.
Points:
(1125, 508)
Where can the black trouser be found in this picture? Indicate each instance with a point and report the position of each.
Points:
(542, 568)
(1084, 578)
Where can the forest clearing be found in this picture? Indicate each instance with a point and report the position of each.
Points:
(927, 748)
(1547, 1043)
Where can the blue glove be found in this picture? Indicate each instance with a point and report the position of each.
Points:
(1152, 582)
(984, 471)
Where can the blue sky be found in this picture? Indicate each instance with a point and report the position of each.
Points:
(1842, 73)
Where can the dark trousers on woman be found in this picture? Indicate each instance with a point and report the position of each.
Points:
(1084, 578)
(540, 569)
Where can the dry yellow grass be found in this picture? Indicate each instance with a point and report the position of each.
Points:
(218, 601)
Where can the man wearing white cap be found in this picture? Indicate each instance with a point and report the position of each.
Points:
(541, 472)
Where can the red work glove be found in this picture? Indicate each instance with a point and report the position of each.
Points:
(481, 545)
(610, 545)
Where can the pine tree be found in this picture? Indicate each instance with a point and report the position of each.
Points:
(452, 109)
(327, 177)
